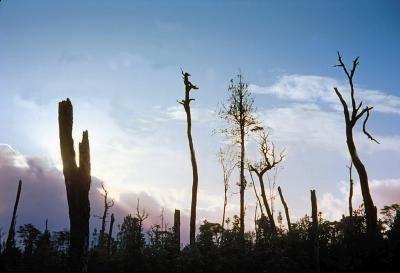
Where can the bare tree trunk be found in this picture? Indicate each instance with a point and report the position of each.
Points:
(314, 234)
(77, 182)
(110, 234)
(256, 192)
(107, 206)
(370, 209)
(186, 104)
(351, 121)
(177, 228)
(10, 243)
(266, 205)
(242, 182)
(351, 191)
(286, 209)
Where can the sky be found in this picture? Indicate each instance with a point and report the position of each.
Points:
(119, 62)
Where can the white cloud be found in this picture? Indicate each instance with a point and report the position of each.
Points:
(311, 88)
(383, 191)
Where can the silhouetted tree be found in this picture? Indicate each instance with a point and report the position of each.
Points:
(186, 105)
(315, 232)
(77, 182)
(351, 121)
(351, 190)
(267, 162)
(239, 114)
(177, 228)
(286, 208)
(107, 206)
(110, 234)
(10, 243)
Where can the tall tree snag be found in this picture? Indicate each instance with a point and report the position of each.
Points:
(351, 121)
(77, 183)
(314, 231)
(10, 243)
(186, 105)
(286, 209)
(177, 228)
(268, 161)
(239, 114)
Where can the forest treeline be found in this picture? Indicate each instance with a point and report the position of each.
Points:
(358, 241)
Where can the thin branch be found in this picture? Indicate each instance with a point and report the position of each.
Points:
(365, 130)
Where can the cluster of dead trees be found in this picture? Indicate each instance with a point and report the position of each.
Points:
(239, 114)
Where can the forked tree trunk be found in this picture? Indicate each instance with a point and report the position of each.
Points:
(286, 209)
(314, 234)
(77, 183)
(10, 243)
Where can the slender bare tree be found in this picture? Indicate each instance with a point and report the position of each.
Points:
(227, 159)
(351, 190)
(10, 243)
(186, 105)
(286, 209)
(107, 205)
(351, 120)
(268, 161)
(239, 114)
(77, 183)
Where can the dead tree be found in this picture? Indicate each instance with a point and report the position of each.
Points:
(239, 114)
(186, 105)
(110, 231)
(227, 160)
(141, 216)
(351, 191)
(107, 206)
(268, 161)
(77, 183)
(314, 231)
(10, 243)
(256, 192)
(286, 208)
(351, 120)
(177, 228)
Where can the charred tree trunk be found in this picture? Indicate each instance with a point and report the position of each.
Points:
(186, 105)
(77, 183)
(10, 243)
(177, 228)
(110, 234)
(351, 120)
(286, 209)
(314, 234)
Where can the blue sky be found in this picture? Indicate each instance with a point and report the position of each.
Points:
(119, 62)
